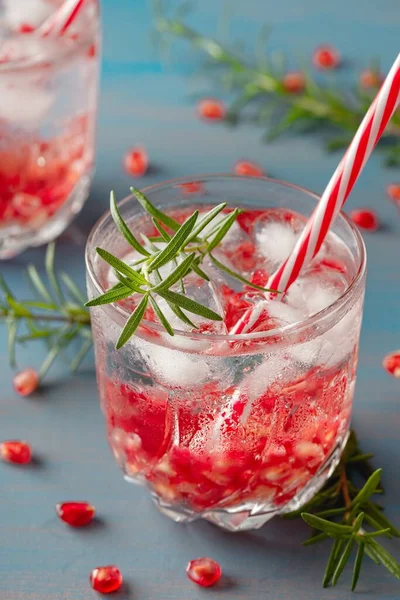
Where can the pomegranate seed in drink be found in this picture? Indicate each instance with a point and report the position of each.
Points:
(326, 57)
(15, 451)
(391, 364)
(365, 219)
(370, 79)
(76, 514)
(293, 82)
(106, 580)
(136, 162)
(211, 110)
(26, 382)
(26, 28)
(192, 187)
(204, 571)
(248, 169)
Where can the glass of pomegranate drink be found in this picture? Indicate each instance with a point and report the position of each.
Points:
(48, 97)
(233, 428)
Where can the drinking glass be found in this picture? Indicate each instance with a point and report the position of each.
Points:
(48, 98)
(231, 428)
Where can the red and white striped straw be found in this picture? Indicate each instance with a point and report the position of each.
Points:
(62, 19)
(342, 181)
(336, 192)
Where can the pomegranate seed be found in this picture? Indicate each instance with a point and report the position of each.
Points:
(25, 28)
(203, 571)
(15, 451)
(293, 82)
(192, 187)
(391, 364)
(76, 514)
(260, 277)
(136, 162)
(91, 53)
(26, 382)
(370, 79)
(248, 169)
(106, 579)
(326, 57)
(211, 110)
(393, 191)
(365, 219)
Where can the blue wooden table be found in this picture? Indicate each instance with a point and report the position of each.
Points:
(145, 101)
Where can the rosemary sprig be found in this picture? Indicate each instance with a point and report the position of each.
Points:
(344, 512)
(180, 247)
(55, 315)
(258, 84)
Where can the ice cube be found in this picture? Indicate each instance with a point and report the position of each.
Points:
(275, 241)
(314, 292)
(24, 104)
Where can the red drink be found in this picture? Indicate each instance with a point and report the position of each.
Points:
(238, 429)
(48, 89)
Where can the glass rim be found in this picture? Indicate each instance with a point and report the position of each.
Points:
(285, 330)
(26, 64)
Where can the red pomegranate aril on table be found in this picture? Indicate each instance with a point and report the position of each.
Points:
(75, 514)
(393, 191)
(136, 162)
(204, 571)
(211, 109)
(26, 382)
(370, 79)
(326, 57)
(15, 451)
(365, 219)
(293, 82)
(106, 580)
(391, 364)
(248, 168)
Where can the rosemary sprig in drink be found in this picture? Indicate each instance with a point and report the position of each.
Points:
(181, 247)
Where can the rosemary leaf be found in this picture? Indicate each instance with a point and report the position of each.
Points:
(133, 322)
(123, 228)
(357, 565)
(155, 212)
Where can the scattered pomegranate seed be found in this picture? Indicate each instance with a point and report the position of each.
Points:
(365, 219)
(136, 162)
(26, 382)
(211, 110)
(293, 82)
(204, 571)
(15, 451)
(326, 57)
(106, 579)
(391, 364)
(393, 191)
(76, 514)
(370, 79)
(192, 187)
(248, 169)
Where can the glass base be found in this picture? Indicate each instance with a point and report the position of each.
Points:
(15, 239)
(254, 516)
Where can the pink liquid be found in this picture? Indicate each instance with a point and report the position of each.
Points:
(259, 440)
